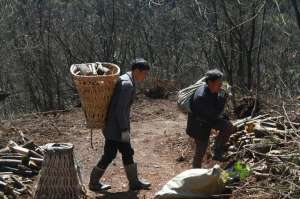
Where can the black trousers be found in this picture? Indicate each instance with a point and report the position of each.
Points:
(226, 129)
(111, 149)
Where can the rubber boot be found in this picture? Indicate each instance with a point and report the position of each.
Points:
(95, 184)
(134, 182)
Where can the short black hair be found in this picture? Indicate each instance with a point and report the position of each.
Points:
(140, 63)
(213, 75)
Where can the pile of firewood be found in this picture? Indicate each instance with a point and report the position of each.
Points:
(19, 163)
(91, 69)
(271, 146)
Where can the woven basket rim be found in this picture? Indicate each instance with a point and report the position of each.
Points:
(93, 76)
(59, 146)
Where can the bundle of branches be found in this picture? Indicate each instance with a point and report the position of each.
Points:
(270, 145)
(18, 163)
(184, 96)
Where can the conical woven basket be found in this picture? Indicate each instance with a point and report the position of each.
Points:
(59, 177)
(95, 93)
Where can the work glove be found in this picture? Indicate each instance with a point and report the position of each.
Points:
(125, 136)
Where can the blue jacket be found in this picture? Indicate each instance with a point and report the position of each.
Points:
(118, 116)
(206, 108)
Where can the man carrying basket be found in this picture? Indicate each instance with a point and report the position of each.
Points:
(117, 129)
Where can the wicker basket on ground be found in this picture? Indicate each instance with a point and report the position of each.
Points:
(60, 176)
(95, 93)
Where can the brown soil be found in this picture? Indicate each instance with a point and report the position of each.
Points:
(158, 137)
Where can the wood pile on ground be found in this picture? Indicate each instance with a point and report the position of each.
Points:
(19, 163)
(270, 145)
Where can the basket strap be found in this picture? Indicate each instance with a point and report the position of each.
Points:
(78, 170)
(131, 78)
(92, 139)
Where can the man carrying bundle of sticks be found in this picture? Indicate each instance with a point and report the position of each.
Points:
(117, 129)
(207, 106)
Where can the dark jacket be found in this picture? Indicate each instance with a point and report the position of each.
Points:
(206, 109)
(118, 116)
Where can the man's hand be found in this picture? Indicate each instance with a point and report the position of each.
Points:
(125, 136)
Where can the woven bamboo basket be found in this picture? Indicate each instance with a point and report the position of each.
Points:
(95, 93)
(60, 175)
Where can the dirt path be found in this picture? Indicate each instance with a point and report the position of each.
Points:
(157, 132)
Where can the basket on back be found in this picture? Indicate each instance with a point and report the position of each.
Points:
(95, 92)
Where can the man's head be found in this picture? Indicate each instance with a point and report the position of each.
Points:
(140, 69)
(214, 80)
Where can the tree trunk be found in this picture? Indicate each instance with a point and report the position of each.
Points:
(297, 12)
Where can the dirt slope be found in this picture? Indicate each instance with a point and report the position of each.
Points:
(157, 135)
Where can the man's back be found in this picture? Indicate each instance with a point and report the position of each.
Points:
(206, 108)
(118, 116)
